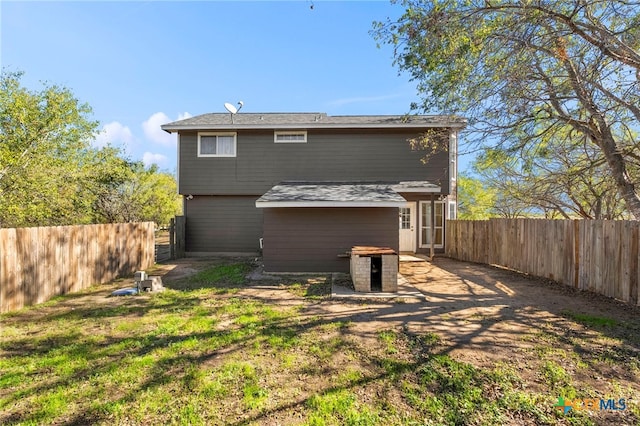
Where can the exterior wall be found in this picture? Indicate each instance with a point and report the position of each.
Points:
(337, 155)
(230, 224)
(310, 239)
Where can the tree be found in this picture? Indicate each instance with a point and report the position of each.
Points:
(479, 199)
(531, 69)
(128, 192)
(51, 175)
(158, 194)
(44, 136)
(559, 179)
(111, 173)
(475, 201)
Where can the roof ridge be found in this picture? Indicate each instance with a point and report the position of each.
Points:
(308, 120)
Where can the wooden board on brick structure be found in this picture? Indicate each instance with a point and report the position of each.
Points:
(369, 251)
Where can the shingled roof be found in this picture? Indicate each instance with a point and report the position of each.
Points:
(308, 120)
(330, 194)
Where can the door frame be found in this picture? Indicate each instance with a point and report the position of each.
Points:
(437, 204)
(412, 206)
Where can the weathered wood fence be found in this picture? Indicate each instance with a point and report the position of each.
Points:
(594, 255)
(177, 233)
(39, 263)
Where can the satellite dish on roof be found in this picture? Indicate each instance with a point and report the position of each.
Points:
(232, 109)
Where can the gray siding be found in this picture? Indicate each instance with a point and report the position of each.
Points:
(310, 239)
(223, 224)
(351, 155)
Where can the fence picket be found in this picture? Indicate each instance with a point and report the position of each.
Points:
(39, 263)
(9, 293)
(595, 255)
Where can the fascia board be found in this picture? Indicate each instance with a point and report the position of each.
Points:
(171, 129)
(290, 204)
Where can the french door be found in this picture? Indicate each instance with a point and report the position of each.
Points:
(425, 224)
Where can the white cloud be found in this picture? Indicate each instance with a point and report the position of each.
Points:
(114, 133)
(155, 134)
(149, 158)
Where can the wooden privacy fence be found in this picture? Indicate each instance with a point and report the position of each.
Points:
(39, 263)
(601, 256)
(177, 228)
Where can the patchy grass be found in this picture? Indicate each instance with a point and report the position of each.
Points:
(205, 352)
(314, 288)
(233, 274)
(388, 338)
(590, 320)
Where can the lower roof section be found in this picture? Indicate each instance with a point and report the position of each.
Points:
(339, 194)
(417, 186)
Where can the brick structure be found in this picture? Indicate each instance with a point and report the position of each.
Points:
(365, 262)
(361, 272)
(389, 273)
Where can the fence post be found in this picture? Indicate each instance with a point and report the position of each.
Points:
(576, 252)
(172, 239)
(180, 229)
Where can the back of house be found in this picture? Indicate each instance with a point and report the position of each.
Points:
(304, 188)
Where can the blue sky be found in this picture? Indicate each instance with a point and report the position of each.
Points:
(140, 64)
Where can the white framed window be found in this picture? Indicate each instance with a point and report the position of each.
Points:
(216, 144)
(298, 136)
(405, 218)
(453, 214)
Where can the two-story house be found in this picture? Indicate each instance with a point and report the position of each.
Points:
(304, 188)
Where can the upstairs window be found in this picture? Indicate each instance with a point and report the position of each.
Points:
(216, 144)
(290, 137)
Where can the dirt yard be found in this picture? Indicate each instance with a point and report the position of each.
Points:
(487, 316)
(482, 345)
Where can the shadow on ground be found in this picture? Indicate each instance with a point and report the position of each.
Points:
(476, 314)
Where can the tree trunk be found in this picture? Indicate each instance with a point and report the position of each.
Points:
(616, 162)
(600, 133)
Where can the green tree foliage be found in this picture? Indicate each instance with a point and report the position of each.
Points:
(479, 199)
(529, 71)
(475, 201)
(158, 195)
(559, 179)
(43, 138)
(51, 175)
(129, 192)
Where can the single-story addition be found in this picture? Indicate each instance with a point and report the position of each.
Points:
(304, 188)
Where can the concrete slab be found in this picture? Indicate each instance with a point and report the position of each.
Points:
(411, 258)
(405, 291)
